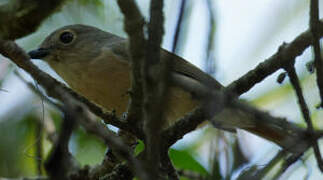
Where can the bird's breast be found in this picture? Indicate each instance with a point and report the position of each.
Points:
(106, 82)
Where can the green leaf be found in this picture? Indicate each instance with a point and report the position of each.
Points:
(140, 147)
(184, 160)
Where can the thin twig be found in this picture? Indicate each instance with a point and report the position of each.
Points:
(305, 112)
(209, 64)
(178, 25)
(314, 25)
(301, 100)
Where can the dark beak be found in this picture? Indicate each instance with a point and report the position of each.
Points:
(38, 53)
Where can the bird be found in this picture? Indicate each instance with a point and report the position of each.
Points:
(96, 64)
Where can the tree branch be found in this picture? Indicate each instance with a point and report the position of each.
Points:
(314, 25)
(286, 54)
(178, 26)
(155, 74)
(133, 25)
(209, 62)
(20, 17)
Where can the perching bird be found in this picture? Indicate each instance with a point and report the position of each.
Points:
(95, 64)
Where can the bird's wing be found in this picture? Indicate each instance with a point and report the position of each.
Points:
(181, 66)
(178, 65)
(228, 118)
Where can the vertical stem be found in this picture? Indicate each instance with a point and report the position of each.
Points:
(155, 88)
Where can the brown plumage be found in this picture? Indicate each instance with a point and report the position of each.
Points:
(96, 65)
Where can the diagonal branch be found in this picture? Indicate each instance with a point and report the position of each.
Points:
(285, 55)
(301, 100)
(305, 112)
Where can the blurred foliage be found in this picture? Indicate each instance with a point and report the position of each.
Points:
(87, 149)
(17, 157)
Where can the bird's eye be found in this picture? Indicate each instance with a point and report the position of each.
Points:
(66, 37)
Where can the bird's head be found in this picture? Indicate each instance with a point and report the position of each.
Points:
(71, 43)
